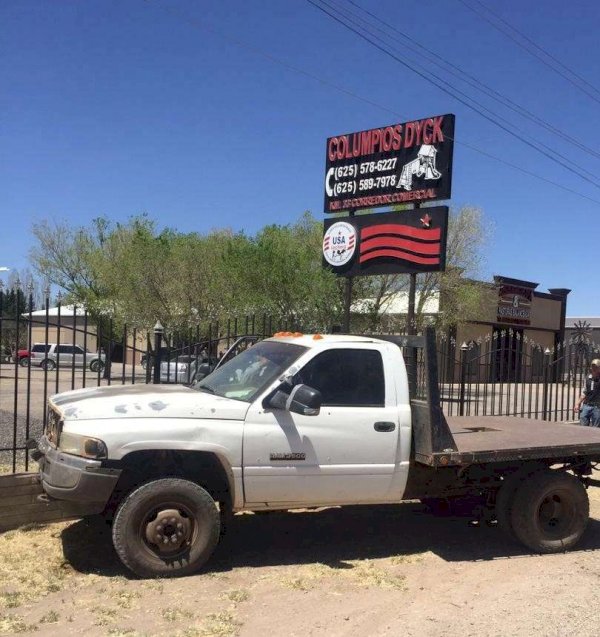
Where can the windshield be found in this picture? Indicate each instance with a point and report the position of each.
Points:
(249, 373)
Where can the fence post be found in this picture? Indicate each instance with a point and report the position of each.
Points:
(545, 389)
(158, 334)
(463, 377)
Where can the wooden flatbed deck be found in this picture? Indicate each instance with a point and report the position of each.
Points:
(496, 439)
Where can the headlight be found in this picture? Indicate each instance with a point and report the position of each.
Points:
(84, 446)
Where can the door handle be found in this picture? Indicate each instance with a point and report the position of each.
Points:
(384, 426)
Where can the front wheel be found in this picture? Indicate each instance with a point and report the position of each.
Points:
(550, 512)
(24, 362)
(96, 366)
(48, 364)
(166, 528)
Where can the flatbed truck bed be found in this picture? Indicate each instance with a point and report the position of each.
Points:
(502, 439)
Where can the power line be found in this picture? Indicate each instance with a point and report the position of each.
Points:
(567, 76)
(275, 60)
(465, 99)
(474, 82)
(570, 71)
(570, 163)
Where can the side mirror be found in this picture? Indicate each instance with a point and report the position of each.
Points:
(301, 399)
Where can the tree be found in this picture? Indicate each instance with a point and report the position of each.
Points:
(279, 272)
(136, 274)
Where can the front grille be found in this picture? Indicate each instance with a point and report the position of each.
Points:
(53, 427)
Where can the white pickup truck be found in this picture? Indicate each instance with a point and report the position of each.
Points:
(303, 421)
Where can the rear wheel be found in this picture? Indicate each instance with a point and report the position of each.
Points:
(48, 364)
(166, 528)
(550, 512)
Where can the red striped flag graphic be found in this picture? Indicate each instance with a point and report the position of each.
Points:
(397, 241)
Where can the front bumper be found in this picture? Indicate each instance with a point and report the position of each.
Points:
(75, 479)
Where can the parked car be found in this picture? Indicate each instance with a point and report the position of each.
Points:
(180, 368)
(22, 356)
(51, 355)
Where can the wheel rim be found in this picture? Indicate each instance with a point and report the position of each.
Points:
(168, 531)
(555, 515)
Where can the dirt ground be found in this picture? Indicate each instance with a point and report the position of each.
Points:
(384, 570)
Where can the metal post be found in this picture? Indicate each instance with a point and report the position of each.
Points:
(411, 327)
(463, 378)
(158, 335)
(545, 389)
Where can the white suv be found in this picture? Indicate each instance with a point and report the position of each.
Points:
(50, 355)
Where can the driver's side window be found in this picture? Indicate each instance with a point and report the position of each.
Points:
(346, 377)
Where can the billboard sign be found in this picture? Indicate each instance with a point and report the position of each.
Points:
(395, 164)
(387, 243)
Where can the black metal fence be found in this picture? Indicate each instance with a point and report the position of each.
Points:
(57, 349)
(511, 375)
(62, 348)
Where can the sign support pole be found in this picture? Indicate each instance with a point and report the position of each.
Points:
(412, 293)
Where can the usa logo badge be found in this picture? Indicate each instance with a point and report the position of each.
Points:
(339, 243)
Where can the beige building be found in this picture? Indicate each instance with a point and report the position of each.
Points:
(518, 327)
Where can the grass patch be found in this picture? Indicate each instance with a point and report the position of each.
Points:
(367, 574)
(125, 599)
(104, 615)
(362, 572)
(175, 614)
(236, 596)
(154, 585)
(396, 560)
(50, 617)
(15, 624)
(308, 576)
(220, 625)
(11, 599)
(21, 572)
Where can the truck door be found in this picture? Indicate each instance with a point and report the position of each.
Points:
(345, 454)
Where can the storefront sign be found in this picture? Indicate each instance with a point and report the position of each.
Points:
(401, 163)
(514, 304)
(387, 243)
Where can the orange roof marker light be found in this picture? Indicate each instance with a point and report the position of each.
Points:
(317, 337)
(297, 334)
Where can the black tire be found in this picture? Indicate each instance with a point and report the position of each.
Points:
(141, 515)
(96, 366)
(48, 364)
(24, 362)
(550, 512)
(505, 499)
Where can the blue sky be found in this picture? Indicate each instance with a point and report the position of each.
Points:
(173, 108)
